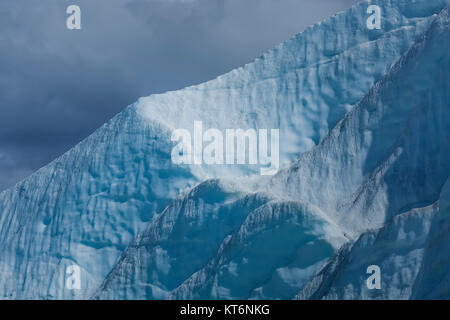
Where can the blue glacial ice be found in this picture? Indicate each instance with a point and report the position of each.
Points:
(364, 124)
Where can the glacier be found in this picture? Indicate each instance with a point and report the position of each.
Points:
(364, 124)
(403, 248)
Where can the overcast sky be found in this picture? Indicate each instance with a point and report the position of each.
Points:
(58, 85)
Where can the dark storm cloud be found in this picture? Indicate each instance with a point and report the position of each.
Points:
(57, 86)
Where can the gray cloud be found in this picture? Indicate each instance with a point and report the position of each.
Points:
(57, 86)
